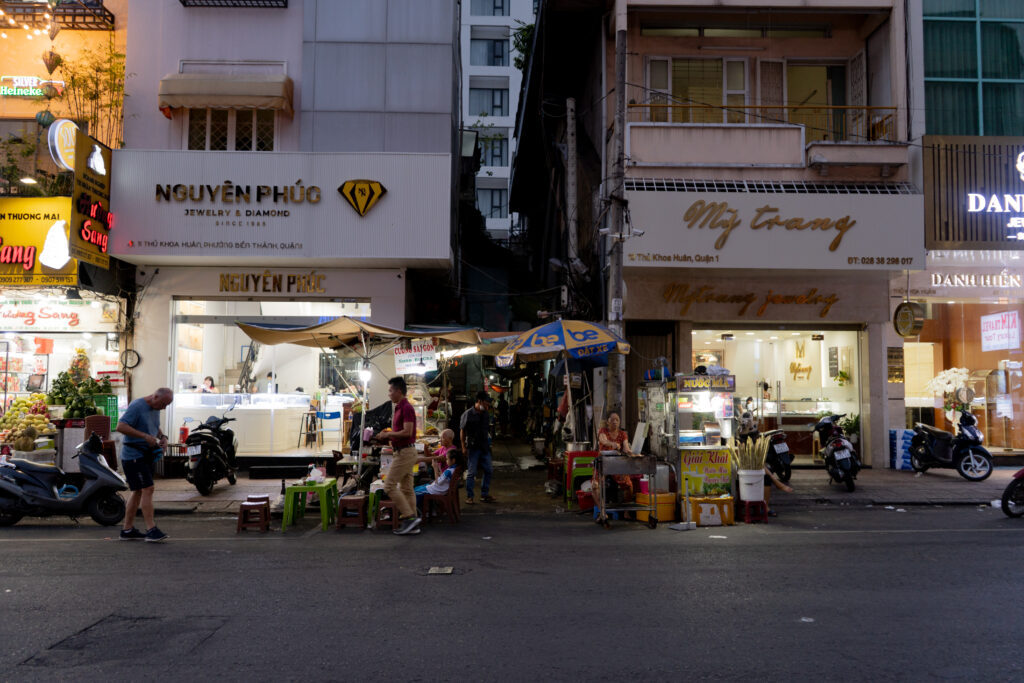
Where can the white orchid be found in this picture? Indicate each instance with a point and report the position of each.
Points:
(948, 381)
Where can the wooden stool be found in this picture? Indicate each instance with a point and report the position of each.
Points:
(755, 511)
(355, 504)
(393, 521)
(255, 515)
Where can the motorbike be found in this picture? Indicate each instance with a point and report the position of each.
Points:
(779, 458)
(841, 461)
(963, 452)
(30, 489)
(211, 449)
(1013, 496)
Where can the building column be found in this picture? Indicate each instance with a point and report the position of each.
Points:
(875, 417)
(684, 347)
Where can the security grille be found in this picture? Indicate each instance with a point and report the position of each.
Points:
(764, 187)
(266, 4)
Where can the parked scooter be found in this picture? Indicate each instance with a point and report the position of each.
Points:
(1013, 496)
(963, 452)
(29, 489)
(211, 453)
(779, 458)
(841, 461)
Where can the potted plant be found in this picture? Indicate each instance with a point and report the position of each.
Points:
(946, 384)
(843, 378)
(851, 427)
(748, 459)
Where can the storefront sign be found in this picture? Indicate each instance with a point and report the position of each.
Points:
(28, 86)
(962, 280)
(92, 219)
(57, 315)
(709, 467)
(62, 137)
(706, 382)
(686, 295)
(1000, 331)
(419, 357)
(974, 192)
(749, 230)
(908, 319)
(268, 282)
(34, 242)
(259, 207)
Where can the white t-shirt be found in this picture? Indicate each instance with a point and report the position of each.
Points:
(440, 485)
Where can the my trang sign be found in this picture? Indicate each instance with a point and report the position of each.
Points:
(748, 230)
(1000, 331)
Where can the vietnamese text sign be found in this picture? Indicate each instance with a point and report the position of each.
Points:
(56, 315)
(749, 230)
(283, 208)
(1000, 331)
(706, 382)
(420, 357)
(34, 242)
(708, 467)
(91, 220)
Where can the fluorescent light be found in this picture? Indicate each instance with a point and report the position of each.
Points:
(28, 180)
(795, 334)
(749, 334)
(455, 353)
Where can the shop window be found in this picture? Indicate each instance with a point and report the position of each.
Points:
(239, 130)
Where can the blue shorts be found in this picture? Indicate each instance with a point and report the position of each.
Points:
(138, 473)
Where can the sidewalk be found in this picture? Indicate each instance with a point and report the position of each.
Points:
(521, 491)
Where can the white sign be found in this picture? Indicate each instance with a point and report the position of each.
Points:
(420, 357)
(283, 208)
(1000, 331)
(747, 230)
(55, 315)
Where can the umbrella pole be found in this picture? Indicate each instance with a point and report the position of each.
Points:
(362, 417)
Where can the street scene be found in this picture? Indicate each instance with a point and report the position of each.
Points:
(511, 339)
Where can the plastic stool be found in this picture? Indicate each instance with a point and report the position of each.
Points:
(611, 515)
(755, 511)
(355, 504)
(253, 515)
(391, 522)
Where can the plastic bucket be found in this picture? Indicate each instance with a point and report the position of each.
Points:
(751, 485)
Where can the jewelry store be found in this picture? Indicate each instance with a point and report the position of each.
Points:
(789, 292)
(297, 239)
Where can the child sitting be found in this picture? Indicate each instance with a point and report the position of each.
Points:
(455, 460)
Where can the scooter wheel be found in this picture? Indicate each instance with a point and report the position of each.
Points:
(8, 518)
(916, 464)
(107, 510)
(1013, 499)
(231, 479)
(850, 483)
(785, 473)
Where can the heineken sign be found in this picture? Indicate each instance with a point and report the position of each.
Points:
(29, 86)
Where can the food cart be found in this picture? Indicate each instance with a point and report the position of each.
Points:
(610, 463)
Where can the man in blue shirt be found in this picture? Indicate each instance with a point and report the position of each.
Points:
(140, 425)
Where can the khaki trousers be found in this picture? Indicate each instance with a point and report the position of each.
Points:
(398, 484)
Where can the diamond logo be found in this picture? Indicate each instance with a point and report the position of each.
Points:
(362, 195)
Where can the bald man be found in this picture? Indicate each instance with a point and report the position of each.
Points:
(140, 425)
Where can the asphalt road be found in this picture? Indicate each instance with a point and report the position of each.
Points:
(860, 594)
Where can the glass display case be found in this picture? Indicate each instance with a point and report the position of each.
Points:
(266, 424)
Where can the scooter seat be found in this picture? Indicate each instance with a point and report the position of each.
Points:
(35, 467)
(937, 433)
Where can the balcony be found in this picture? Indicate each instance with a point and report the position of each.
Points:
(825, 139)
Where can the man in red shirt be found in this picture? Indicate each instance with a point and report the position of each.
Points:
(398, 484)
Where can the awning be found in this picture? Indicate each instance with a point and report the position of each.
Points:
(345, 331)
(224, 91)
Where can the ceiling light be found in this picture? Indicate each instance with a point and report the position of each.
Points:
(750, 334)
(46, 14)
(28, 180)
(774, 337)
(950, 302)
(693, 332)
(707, 342)
(37, 32)
(796, 334)
(25, 26)
(29, 36)
(2, 34)
(87, 335)
(759, 340)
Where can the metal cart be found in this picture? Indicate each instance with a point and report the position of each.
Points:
(611, 463)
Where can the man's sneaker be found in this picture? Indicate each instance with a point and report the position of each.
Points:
(132, 534)
(407, 525)
(154, 535)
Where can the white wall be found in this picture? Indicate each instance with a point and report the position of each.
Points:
(161, 34)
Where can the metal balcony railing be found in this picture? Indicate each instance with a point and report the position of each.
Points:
(821, 123)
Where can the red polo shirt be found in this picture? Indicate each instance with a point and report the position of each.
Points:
(403, 414)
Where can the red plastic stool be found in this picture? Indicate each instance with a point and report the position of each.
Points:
(755, 511)
(392, 521)
(254, 515)
(355, 504)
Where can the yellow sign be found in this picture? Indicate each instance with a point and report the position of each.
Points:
(721, 216)
(91, 219)
(61, 138)
(34, 242)
(362, 194)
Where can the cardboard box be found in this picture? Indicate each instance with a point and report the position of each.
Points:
(716, 511)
